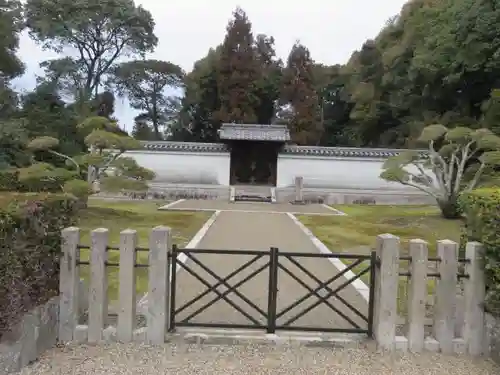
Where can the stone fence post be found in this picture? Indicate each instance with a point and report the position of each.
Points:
(127, 293)
(299, 189)
(69, 284)
(386, 291)
(160, 244)
(446, 295)
(417, 295)
(98, 291)
(474, 294)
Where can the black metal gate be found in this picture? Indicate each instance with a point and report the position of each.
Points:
(271, 316)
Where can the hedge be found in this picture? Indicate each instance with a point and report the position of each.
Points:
(39, 177)
(30, 242)
(482, 210)
(9, 180)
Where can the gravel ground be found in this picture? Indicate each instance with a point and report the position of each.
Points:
(247, 359)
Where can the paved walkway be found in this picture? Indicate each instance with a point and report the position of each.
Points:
(260, 231)
(213, 205)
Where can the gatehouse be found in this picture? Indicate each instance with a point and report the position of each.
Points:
(258, 160)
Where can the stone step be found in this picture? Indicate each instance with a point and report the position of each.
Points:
(240, 336)
(252, 190)
(251, 198)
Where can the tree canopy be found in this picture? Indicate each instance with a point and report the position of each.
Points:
(436, 62)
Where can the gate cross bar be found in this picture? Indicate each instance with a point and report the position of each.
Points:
(308, 273)
(223, 296)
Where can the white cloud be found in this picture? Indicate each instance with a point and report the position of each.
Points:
(331, 29)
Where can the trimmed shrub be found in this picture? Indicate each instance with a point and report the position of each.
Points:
(80, 189)
(9, 180)
(482, 210)
(114, 184)
(30, 243)
(43, 177)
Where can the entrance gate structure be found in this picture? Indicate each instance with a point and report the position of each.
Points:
(271, 315)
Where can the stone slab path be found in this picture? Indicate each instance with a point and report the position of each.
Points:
(259, 231)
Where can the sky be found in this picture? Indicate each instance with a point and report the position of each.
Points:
(331, 29)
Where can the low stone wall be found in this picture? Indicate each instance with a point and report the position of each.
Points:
(174, 192)
(332, 196)
(168, 192)
(34, 334)
(493, 337)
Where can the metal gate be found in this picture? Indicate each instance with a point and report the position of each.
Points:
(284, 305)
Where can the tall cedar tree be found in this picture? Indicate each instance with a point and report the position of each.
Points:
(238, 72)
(268, 85)
(299, 92)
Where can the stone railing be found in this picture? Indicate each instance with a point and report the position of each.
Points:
(475, 337)
(96, 328)
(472, 335)
(35, 333)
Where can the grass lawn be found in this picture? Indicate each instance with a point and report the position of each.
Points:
(357, 231)
(141, 216)
(364, 222)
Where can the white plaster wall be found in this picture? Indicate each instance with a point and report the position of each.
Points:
(334, 173)
(185, 167)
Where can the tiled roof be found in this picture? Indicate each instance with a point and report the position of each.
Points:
(347, 152)
(184, 146)
(254, 132)
(342, 151)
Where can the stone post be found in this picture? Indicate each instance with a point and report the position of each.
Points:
(446, 295)
(417, 295)
(69, 284)
(299, 189)
(98, 292)
(159, 284)
(127, 294)
(474, 295)
(386, 291)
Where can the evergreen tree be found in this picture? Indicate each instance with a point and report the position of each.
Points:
(299, 92)
(238, 71)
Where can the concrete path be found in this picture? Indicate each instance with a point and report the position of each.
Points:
(214, 205)
(260, 231)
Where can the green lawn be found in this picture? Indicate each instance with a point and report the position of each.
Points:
(364, 222)
(141, 216)
(357, 231)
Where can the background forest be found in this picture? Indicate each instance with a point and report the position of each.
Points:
(435, 62)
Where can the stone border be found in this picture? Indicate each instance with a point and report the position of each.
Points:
(358, 284)
(36, 333)
(172, 204)
(492, 347)
(182, 258)
(255, 211)
(273, 195)
(241, 337)
(338, 212)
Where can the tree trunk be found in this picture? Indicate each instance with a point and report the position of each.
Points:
(450, 209)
